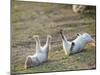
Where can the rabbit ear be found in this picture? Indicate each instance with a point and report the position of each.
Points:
(61, 30)
(61, 33)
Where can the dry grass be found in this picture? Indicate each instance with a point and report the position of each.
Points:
(30, 18)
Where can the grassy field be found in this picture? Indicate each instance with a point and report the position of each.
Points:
(28, 19)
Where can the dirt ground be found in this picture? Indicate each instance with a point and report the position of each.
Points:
(30, 18)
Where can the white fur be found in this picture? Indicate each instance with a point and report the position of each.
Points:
(78, 8)
(41, 54)
(80, 43)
